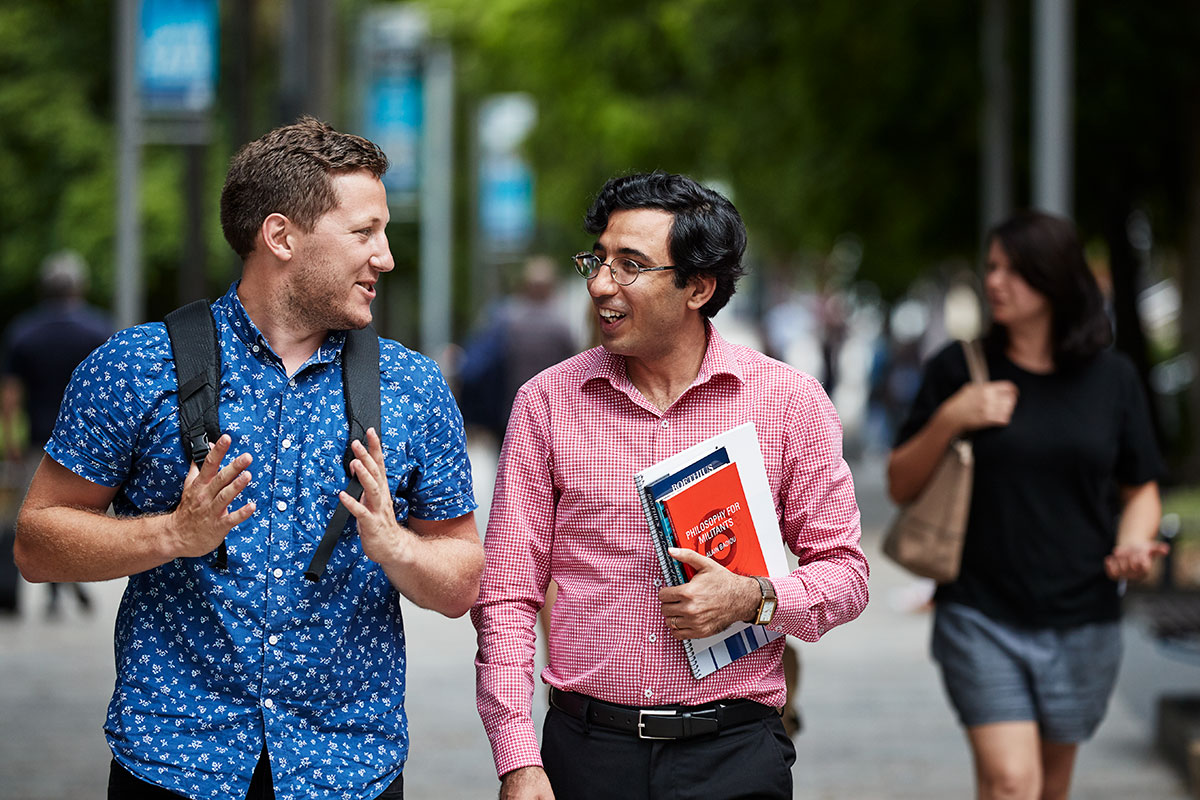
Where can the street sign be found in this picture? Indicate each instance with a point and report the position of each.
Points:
(177, 56)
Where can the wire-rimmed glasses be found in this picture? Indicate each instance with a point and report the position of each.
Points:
(623, 270)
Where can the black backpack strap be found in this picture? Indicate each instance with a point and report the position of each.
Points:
(197, 352)
(360, 387)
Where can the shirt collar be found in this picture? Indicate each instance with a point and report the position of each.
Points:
(720, 358)
(230, 305)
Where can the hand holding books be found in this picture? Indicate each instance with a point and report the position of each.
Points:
(711, 601)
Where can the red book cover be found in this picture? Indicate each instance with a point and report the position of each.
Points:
(712, 517)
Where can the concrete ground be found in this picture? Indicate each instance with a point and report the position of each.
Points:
(876, 723)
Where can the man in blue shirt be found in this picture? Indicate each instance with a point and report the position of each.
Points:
(233, 682)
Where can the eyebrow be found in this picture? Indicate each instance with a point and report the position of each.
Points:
(628, 252)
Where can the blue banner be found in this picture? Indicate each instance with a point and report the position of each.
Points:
(177, 56)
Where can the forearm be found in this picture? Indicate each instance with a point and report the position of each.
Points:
(61, 543)
(440, 573)
(1140, 515)
(911, 464)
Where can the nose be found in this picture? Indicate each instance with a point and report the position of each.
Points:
(603, 284)
(383, 260)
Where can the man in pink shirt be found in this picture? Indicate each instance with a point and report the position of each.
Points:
(565, 508)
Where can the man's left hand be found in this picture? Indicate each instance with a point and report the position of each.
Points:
(711, 601)
(383, 538)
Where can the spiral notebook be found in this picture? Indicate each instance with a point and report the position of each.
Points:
(716, 529)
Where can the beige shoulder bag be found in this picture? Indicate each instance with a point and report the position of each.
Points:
(926, 538)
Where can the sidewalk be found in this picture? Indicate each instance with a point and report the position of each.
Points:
(876, 724)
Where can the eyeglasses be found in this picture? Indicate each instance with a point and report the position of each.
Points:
(623, 270)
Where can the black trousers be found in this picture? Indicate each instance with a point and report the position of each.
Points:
(592, 763)
(123, 785)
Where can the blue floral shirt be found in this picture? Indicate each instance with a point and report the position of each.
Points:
(210, 662)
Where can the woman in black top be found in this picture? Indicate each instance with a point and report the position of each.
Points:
(1064, 505)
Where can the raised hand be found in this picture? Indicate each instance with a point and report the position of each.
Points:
(382, 536)
(202, 519)
(983, 405)
(710, 602)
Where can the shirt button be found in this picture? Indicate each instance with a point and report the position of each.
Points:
(664, 423)
(254, 348)
(292, 383)
(653, 637)
(278, 573)
(272, 639)
(648, 694)
(269, 703)
(285, 444)
(657, 582)
(282, 506)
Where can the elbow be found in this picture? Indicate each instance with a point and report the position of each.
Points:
(468, 593)
(32, 568)
(898, 492)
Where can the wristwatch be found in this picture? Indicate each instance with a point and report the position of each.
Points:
(766, 606)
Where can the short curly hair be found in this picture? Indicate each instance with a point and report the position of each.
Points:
(707, 234)
(288, 171)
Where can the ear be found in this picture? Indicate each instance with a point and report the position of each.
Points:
(276, 232)
(701, 288)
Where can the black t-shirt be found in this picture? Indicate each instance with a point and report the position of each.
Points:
(1044, 504)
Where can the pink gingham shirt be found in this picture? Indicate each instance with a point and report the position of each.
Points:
(565, 507)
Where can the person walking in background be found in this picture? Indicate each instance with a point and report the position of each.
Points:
(42, 348)
(525, 334)
(666, 258)
(237, 679)
(1065, 507)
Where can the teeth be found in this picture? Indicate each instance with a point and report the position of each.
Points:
(610, 316)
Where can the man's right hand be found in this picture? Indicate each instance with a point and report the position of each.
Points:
(526, 783)
(203, 519)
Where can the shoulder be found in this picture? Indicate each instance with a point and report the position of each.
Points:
(143, 349)
(773, 376)
(407, 370)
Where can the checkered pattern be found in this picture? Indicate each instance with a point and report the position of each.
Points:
(565, 506)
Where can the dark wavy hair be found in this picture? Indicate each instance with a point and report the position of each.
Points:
(288, 171)
(1045, 250)
(707, 235)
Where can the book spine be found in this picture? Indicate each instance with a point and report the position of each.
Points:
(693, 661)
(664, 561)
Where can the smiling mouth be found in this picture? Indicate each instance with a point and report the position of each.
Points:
(610, 316)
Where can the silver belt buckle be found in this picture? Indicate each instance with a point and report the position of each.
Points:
(650, 712)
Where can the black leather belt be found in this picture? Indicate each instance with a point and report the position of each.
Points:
(662, 722)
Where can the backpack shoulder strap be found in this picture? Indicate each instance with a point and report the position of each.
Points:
(360, 388)
(197, 352)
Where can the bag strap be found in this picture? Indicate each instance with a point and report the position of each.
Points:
(976, 361)
(360, 387)
(197, 352)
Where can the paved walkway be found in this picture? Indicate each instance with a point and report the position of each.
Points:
(877, 725)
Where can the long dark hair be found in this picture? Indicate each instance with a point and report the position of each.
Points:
(707, 235)
(1046, 252)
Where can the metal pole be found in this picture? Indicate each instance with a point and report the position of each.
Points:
(437, 179)
(1053, 76)
(128, 290)
(996, 186)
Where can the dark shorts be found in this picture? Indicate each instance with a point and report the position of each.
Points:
(996, 672)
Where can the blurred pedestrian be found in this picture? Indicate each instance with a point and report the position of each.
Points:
(1065, 507)
(525, 334)
(42, 348)
(240, 676)
(666, 258)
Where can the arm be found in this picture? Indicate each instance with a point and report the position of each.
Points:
(1136, 547)
(515, 578)
(434, 563)
(972, 407)
(64, 534)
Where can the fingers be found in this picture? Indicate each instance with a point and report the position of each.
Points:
(216, 454)
(693, 559)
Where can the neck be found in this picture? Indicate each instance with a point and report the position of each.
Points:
(663, 378)
(292, 342)
(1029, 346)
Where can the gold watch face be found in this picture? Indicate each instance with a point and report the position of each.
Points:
(767, 611)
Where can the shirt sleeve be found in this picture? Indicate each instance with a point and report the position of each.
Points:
(513, 588)
(1138, 458)
(821, 522)
(942, 376)
(101, 415)
(442, 488)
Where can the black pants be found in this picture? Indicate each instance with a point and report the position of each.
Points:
(592, 763)
(123, 785)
